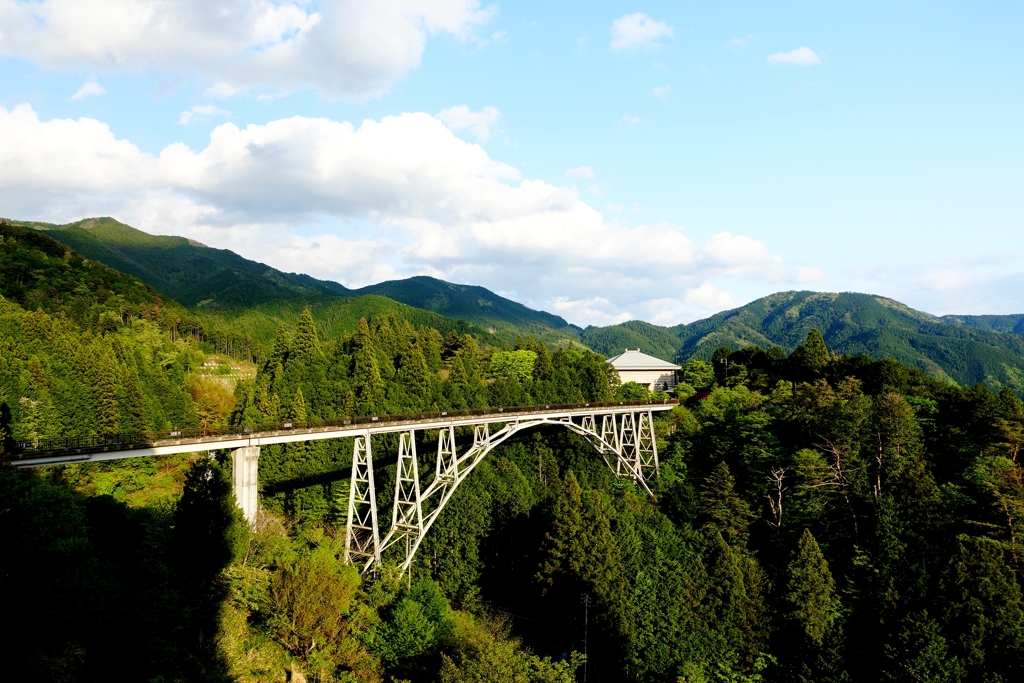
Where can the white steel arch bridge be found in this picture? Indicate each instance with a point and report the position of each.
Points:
(622, 433)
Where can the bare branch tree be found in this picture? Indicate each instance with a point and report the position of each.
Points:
(775, 479)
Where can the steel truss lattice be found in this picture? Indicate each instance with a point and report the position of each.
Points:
(627, 436)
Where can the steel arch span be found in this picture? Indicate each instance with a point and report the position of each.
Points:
(624, 439)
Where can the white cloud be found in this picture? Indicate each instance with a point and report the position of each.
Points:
(596, 311)
(742, 256)
(89, 88)
(478, 122)
(630, 121)
(203, 110)
(802, 56)
(662, 92)
(810, 274)
(344, 48)
(638, 31)
(388, 198)
(710, 297)
(220, 91)
(210, 110)
(580, 172)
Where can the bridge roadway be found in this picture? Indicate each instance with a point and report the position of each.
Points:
(622, 433)
(72, 450)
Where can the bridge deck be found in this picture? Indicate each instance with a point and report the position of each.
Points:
(69, 450)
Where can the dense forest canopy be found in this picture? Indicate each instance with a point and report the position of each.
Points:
(818, 517)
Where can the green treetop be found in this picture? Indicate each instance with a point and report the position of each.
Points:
(306, 343)
(723, 507)
(811, 590)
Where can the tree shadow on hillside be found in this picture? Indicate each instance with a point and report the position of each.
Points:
(96, 591)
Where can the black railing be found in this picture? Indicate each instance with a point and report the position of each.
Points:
(124, 442)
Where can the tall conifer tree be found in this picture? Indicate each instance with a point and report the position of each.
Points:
(108, 416)
(306, 343)
(811, 590)
(416, 377)
(723, 507)
(366, 374)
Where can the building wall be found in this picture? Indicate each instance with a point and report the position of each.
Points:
(655, 380)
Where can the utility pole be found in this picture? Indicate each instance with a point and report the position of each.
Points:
(585, 599)
(725, 362)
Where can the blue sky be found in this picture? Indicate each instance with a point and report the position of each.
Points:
(602, 160)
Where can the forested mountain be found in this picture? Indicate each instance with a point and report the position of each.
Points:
(661, 342)
(852, 324)
(996, 323)
(965, 349)
(468, 302)
(197, 275)
(187, 271)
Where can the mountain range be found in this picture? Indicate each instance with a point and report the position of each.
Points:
(203, 277)
(964, 348)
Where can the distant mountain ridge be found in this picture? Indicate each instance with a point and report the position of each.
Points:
(186, 270)
(964, 348)
(204, 277)
(994, 323)
(959, 348)
(467, 302)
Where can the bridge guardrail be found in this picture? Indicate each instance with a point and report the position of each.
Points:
(24, 450)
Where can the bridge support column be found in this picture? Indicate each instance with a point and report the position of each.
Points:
(243, 477)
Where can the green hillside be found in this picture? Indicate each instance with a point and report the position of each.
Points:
(334, 316)
(852, 324)
(226, 291)
(661, 342)
(188, 271)
(995, 323)
(219, 279)
(40, 273)
(467, 302)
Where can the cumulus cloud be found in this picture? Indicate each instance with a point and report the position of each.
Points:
(596, 310)
(89, 88)
(580, 172)
(389, 198)
(203, 111)
(479, 123)
(810, 274)
(802, 56)
(639, 31)
(662, 92)
(344, 48)
(710, 297)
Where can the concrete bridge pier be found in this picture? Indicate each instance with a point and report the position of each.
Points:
(243, 478)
